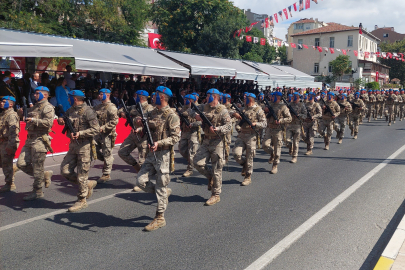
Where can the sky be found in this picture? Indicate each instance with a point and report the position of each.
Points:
(388, 13)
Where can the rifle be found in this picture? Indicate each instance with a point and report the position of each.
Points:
(68, 122)
(354, 105)
(146, 126)
(341, 105)
(292, 109)
(271, 110)
(204, 118)
(182, 117)
(244, 118)
(89, 103)
(328, 109)
(25, 110)
(129, 118)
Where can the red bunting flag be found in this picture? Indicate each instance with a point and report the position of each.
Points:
(332, 50)
(248, 38)
(285, 13)
(275, 17)
(305, 46)
(344, 52)
(326, 49)
(366, 54)
(307, 4)
(293, 45)
(355, 53)
(319, 49)
(266, 22)
(360, 29)
(279, 43)
(262, 41)
(295, 6)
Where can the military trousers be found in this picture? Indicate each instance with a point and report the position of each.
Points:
(188, 146)
(129, 145)
(371, 110)
(211, 149)
(340, 126)
(104, 151)
(32, 159)
(310, 129)
(273, 140)
(160, 168)
(389, 111)
(245, 142)
(354, 123)
(326, 125)
(293, 138)
(6, 161)
(78, 157)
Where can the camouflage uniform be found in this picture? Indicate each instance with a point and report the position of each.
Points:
(398, 106)
(85, 122)
(135, 141)
(228, 136)
(401, 107)
(213, 146)
(341, 120)
(247, 140)
(365, 99)
(310, 126)
(327, 122)
(389, 107)
(164, 125)
(273, 139)
(107, 120)
(9, 129)
(33, 154)
(371, 107)
(294, 129)
(355, 117)
(383, 98)
(189, 144)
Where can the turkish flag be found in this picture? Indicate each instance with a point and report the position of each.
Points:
(275, 17)
(319, 49)
(305, 46)
(266, 21)
(248, 38)
(62, 64)
(285, 13)
(355, 53)
(293, 45)
(344, 52)
(377, 75)
(307, 4)
(279, 43)
(18, 64)
(295, 6)
(332, 50)
(262, 41)
(366, 54)
(154, 41)
(43, 63)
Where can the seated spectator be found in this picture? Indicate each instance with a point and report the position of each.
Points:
(115, 98)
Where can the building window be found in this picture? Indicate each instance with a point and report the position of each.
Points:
(332, 42)
(308, 27)
(316, 68)
(300, 41)
(299, 26)
(317, 43)
(350, 41)
(385, 35)
(330, 68)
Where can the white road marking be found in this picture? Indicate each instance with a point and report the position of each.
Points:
(23, 222)
(285, 243)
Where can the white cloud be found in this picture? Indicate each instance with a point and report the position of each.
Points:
(346, 12)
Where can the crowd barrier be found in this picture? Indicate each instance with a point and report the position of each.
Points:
(60, 143)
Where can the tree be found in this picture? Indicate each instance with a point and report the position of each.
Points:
(373, 85)
(255, 51)
(397, 67)
(282, 55)
(341, 65)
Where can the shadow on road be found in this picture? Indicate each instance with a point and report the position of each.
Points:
(150, 199)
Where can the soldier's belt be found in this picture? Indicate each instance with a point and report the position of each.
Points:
(247, 131)
(210, 137)
(162, 148)
(274, 126)
(33, 136)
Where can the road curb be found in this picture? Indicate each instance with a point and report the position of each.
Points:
(391, 251)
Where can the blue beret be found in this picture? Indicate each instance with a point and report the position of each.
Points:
(331, 94)
(153, 94)
(357, 93)
(396, 91)
(8, 98)
(213, 91)
(76, 93)
(42, 88)
(190, 97)
(105, 90)
(344, 94)
(370, 90)
(195, 94)
(227, 95)
(142, 93)
(296, 93)
(251, 95)
(221, 94)
(277, 93)
(261, 94)
(164, 90)
(390, 90)
(311, 93)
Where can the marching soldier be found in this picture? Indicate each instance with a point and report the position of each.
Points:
(341, 120)
(213, 144)
(314, 112)
(294, 128)
(9, 141)
(189, 144)
(273, 139)
(357, 106)
(33, 154)
(228, 136)
(389, 107)
(164, 126)
(328, 118)
(398, 104)
(402, 105)
(85, 124)
(247, 136)
(107, 119)
(364, 97)
(371, 105)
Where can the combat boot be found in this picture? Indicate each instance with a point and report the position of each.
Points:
(340, 141)
(15, 170)
(158, 222)
(309, 152)
(352, 132)
(91, 184)
(104, 178)
(293, 160)
(355, 137)
(244, 169)
(8, 187)
(47, 178)
(35, 194)
(271, 159)
(290, 150)
(389, 124)
(79, 205)
(213, 200)
(137, 189)
(326, 146)
(188, 173)
(210, 183)
(247, 181)
(274, 170)
(137, 167)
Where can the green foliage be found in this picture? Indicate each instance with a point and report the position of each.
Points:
(326, 79)
(373, 85)
(397, 67)
(282, 55)
(119, 21)
(341, 65)
(256, 52)
(359, 83)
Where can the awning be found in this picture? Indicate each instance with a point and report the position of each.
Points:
(299, 75)
(90, 55)
(24, 44)
(274, 73)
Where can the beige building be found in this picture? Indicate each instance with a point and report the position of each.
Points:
(298, 27)
(338, 36)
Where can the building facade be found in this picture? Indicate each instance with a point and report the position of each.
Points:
(387, 34)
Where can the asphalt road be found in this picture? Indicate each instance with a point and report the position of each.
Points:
(234, 234)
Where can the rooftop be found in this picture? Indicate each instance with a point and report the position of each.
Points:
(330, 28)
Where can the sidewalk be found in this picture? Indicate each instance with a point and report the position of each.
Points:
(393, 256)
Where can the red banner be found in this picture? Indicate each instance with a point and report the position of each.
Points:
(154, 41)
(355, 53)
(62, 64)
(307, 4)
(285, 13)
(43, 63)
(18, 64)
(262, 41)
(248, 38)
(332, 50)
